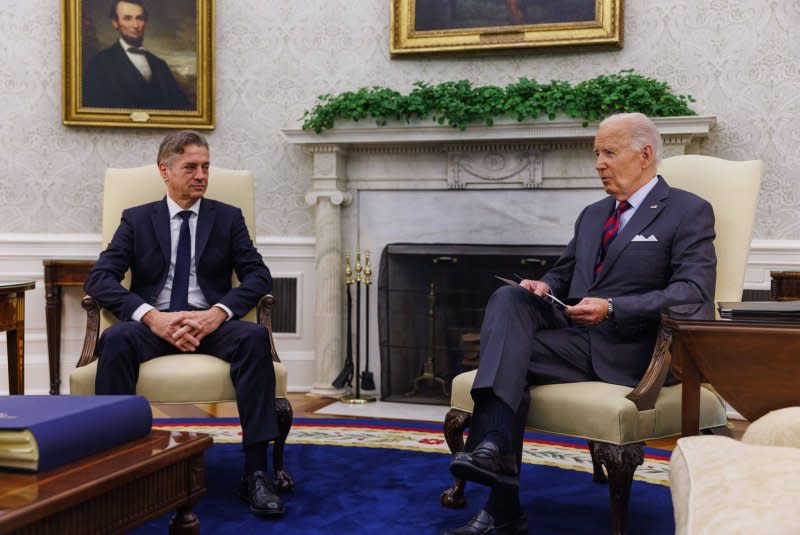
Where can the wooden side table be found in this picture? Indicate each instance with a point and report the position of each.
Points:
(59, 272)
(784, 286)
(753, 365)
(12, 321)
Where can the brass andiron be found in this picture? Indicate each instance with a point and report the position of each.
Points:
(428, 374)
(357, 399)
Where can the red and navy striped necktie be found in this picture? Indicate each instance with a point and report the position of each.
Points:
(610, 230)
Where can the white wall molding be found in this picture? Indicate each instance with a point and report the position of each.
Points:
(21, 256)
(770, 255)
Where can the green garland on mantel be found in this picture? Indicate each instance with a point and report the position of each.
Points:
(460, 104)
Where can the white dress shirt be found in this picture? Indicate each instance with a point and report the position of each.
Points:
(196, 297)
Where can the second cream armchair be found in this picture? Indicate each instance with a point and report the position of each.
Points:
(182, 378)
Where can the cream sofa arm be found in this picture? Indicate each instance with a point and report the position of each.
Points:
(777, 428)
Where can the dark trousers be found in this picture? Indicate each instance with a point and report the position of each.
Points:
(524, 341)
(245, 345)
(527, 341)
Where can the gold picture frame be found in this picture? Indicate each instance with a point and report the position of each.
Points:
(102, 87)
(433, 26)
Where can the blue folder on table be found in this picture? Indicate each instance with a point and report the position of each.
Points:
(41, 432)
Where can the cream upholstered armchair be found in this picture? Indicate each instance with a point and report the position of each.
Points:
(183, 378)
(616, 420)
(721, 485)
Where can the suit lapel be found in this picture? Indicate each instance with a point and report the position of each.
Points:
(161, 227)
(205, 221)
(651, 206)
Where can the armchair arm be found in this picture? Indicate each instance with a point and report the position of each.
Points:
(644, 395)
(88, 353)
(264, 315)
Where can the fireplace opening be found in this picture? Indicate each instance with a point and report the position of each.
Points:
(431, 299)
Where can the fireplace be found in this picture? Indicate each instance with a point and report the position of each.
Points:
(423, 182)
(431, 299)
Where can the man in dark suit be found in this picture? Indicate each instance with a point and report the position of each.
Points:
(126, 75)
(182, 252)
(643, 249)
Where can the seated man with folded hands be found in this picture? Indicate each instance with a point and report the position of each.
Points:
(182, 252)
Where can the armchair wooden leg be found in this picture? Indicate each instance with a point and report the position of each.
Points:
(620, 463)
(454, 424)
(283, 481)
(598, 474)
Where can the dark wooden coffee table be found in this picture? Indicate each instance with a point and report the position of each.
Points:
(110, 492)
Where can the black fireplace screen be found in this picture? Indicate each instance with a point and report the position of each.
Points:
(431, 299)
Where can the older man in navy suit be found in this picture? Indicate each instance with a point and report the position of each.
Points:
(182, 252)
(125, 75)
(643, 249)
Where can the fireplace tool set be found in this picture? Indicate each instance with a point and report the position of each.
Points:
(364, 379)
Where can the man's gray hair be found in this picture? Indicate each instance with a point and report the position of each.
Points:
(643, 131)
(174, 144)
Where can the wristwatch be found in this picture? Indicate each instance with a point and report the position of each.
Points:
(610, 313)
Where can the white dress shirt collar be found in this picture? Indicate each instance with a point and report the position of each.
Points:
(174, 208)
(635, 200)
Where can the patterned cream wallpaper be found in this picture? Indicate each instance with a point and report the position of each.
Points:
(738, 58)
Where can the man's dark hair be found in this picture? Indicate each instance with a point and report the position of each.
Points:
(113, 13)
(174, 144)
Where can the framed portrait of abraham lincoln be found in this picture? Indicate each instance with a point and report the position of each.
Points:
(437, 26)
(138, 63)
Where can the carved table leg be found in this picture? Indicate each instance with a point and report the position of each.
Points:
(53, 324)
(454, 424)
(620, 463)
(16, 361)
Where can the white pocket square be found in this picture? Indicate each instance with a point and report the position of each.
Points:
(639, 237)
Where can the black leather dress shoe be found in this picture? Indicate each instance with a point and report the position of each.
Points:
(483, 524)
(480, 524)
(486, 466)
(256, 489)
(518, 526)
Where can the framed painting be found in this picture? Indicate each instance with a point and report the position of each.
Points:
(429, 26)
(138, 63)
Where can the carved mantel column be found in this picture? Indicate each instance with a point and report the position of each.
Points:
(327, 197)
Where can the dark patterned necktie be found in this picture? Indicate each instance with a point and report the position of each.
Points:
(610, 230)
(179, 298)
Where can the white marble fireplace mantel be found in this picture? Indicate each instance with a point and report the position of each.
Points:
(361, 172)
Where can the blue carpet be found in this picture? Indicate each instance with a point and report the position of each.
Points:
(354, 490)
